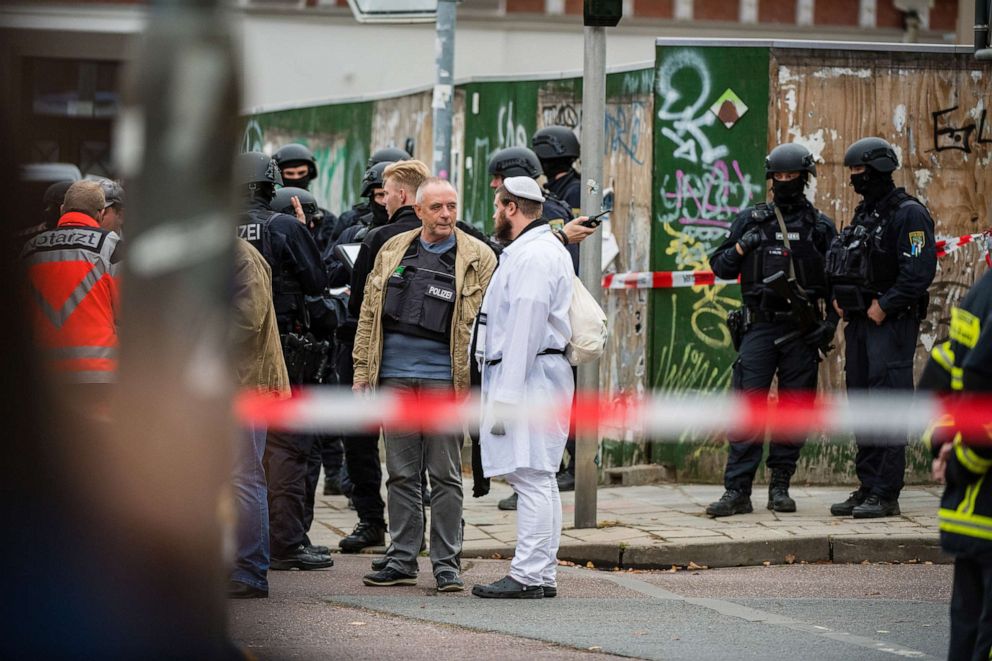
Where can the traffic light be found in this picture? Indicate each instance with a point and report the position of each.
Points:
(602, 13)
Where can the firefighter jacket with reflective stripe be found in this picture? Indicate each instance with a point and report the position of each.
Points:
(73, 293)
(962, 365)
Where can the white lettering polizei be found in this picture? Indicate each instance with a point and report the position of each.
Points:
(437, 292)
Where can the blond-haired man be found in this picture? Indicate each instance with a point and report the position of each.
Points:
(413, 337)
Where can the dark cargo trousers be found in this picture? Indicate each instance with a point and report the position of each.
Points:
(971, 610)
(880, 358)
(286, 463)
(796, 364)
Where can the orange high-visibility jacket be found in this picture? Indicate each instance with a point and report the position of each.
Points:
(72, 278)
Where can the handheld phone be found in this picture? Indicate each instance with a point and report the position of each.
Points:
(595, 221)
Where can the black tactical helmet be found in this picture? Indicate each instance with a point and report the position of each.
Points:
(873, 152)
(790, 157)
(390, 154)
(555, 142)
(295, 153)
(282, 201)
(373, 178)
(515, 162)
(254, 167)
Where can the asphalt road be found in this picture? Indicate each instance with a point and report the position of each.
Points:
(778, 612)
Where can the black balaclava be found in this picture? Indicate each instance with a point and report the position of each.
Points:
(872, 184)
(789, 194)
(379, 214)
(302, 182)
(554, 166)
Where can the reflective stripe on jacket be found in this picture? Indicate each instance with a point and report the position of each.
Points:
(73, 293)
(965, 516)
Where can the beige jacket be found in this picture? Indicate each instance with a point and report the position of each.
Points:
(474, 266)
(258, 350)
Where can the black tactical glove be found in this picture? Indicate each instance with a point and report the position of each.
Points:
(750, 240)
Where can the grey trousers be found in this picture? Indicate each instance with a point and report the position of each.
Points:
(407, 454)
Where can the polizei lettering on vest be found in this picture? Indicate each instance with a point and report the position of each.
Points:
(437, 292)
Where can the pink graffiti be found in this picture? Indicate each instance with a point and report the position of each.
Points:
(711, 198)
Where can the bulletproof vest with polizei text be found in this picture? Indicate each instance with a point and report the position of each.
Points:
(772, 256)
(421, 295)
(864, 253)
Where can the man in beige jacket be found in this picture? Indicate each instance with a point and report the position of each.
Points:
(260, 367)
(413, 334)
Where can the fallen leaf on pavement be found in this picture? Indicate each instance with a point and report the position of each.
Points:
(692, 565)
(767, 563)
(589, 565)
(790, 558)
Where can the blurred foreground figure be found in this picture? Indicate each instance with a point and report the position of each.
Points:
(963, 365)
(260, 366)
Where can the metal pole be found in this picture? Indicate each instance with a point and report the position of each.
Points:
(590, 266)
(444, 63)
(174, 430)
(982, 10)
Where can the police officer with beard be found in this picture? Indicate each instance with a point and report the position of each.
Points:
(880, 268)
(298, 168)
(768, 244)
(354, 215)
(297, 271)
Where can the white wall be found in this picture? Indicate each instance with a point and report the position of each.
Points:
(331, 58)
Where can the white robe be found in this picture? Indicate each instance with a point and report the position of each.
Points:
(526, 307)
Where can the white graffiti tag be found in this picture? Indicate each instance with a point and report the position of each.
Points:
(687, 118)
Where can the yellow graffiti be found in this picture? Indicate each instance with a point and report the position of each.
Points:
(712, 306)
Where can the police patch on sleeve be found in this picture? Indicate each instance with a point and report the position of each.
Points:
(916, 242)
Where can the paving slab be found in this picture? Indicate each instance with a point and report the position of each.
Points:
(659, 525)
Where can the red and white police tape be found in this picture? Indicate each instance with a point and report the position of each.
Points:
(675, 279)
(662, 279)
(661, 416)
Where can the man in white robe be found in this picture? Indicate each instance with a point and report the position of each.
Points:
(525, 335)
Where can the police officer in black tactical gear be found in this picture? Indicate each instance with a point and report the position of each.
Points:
(880, 268)
(376, 215)
(325, 313)
(558, 148)
(282, 201)
(778, 251)
(354, 215)
(298, 168)
(297, 271)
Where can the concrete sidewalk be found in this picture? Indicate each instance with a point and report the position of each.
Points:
(663, 525)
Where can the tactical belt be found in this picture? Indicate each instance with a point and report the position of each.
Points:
(767, 316)
(546, 352)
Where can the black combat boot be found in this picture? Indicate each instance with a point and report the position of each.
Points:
(733, 501)
(365, 534)
(778, 493)
(846, 508)
(875, 507)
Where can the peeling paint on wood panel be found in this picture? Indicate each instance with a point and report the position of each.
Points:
(627, 171)
(933, 109)
(398, 119)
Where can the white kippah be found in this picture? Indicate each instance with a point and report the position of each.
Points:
(524, 187)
